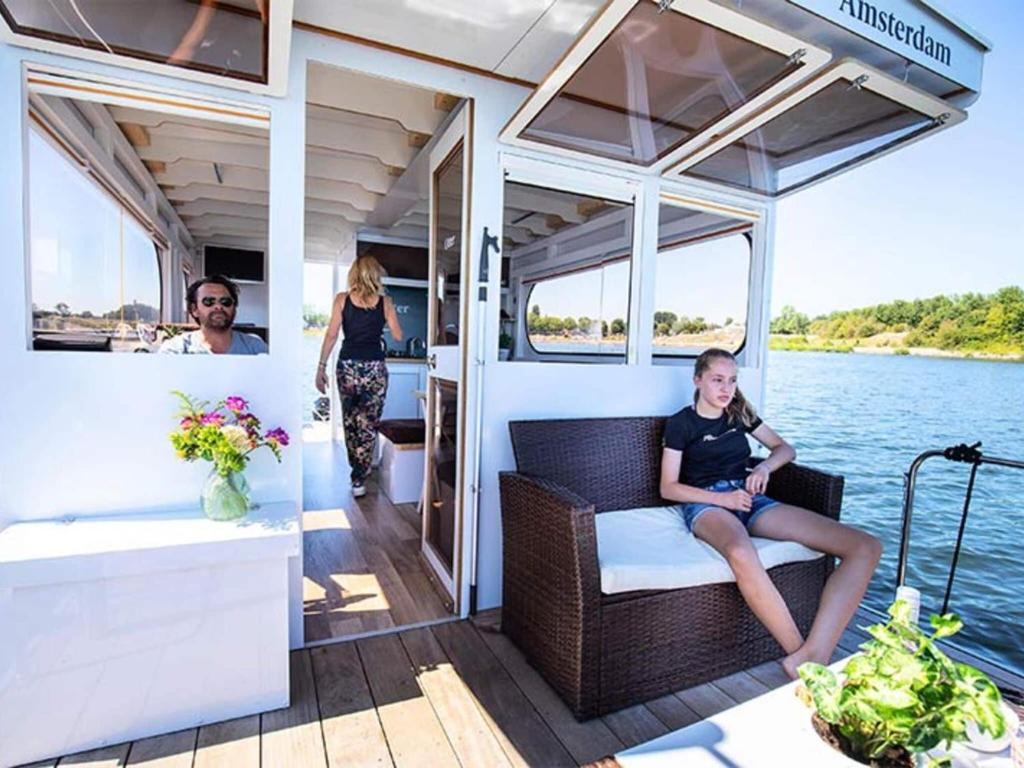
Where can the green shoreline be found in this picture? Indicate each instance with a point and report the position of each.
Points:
(786, 343)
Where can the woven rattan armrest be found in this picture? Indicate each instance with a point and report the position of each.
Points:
(805, 487)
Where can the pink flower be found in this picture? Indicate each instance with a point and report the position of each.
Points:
(216, 419)
(236, 403)
(187, 423)
(277, 435)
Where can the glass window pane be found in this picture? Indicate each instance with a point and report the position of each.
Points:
(655, 82)
(702, 282)
(838, 125)
(223, 38)
(568, 258)
(448, 187)
(95, 270)
(74, 242)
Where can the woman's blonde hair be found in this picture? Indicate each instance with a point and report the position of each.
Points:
(365, 277)
(738, 408)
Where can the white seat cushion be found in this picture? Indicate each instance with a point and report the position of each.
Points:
(651, 548)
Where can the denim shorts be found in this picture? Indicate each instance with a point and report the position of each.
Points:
(760, 503)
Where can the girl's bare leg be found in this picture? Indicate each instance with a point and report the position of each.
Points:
(726, 534)
(859, 553)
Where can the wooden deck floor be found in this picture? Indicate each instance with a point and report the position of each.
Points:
(361, 563)
(455, 694)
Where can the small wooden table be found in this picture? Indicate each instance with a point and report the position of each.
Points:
(771, 730)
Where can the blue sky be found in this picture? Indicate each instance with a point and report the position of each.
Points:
(945, 215)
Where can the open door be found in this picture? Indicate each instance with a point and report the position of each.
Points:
(446, 339)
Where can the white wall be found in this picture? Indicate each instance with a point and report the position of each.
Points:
(86, 433)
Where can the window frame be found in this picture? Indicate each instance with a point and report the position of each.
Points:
(944, 114)
(277, 48)
(571, 178)
(600, 27)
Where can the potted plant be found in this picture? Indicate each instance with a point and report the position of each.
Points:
(902, 696)
(226, 435)
(504, 346)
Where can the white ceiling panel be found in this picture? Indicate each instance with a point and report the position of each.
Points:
(479, 33)
(537, 52)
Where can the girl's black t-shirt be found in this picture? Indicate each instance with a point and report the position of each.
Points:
(713, 449)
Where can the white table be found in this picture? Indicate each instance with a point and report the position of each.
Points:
(119, 627)
(771, 730)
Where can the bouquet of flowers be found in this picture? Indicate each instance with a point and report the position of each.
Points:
(225, 434)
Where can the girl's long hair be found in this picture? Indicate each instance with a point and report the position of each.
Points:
(738, 408)
(365, 277)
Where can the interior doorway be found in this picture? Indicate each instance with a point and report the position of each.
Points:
(371, 153)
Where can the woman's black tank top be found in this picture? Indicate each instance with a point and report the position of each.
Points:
(363, 331)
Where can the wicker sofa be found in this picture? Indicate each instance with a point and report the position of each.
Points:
(605, 652)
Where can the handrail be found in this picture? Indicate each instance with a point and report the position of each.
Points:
(967, 454)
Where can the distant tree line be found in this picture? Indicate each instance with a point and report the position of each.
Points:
(665, 324)
(971, 321)
(134, 312)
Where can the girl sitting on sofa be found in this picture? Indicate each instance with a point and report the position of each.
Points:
(704, 466)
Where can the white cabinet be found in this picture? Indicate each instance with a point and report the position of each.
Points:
(404, 378)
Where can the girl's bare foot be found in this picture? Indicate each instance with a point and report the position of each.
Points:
(791, 663)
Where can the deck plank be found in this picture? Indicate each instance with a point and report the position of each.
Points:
(770, 673)
(470, 736)
(171, 750)
(741, 686)
(411, 727)
(293, 736)
(706, 700)
(635, 725)
(105, 757)
(522, 733)
(672, 712)
(229, 744)
(40, 764)
(585, 741)
(353, 735)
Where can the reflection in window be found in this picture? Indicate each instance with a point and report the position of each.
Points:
(657, 81)
(219, 38)
(702, 283)
(567, 258)
(448, 188)
(95, 271)
(837, 126)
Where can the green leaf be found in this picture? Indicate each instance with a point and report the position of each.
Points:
(901, 612)
(946, 625)
(824, 687)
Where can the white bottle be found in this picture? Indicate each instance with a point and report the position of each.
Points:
(913, 598)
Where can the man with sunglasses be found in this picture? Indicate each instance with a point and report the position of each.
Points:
(213, 302)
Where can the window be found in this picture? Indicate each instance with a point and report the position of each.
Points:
(568, 257)
(648, 83)
(219, 38)
(849, 114)
(702, 282)
(95, 270)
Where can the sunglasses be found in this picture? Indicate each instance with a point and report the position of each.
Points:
(224, 301)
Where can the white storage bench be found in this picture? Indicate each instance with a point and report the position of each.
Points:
(120, 627)
(401, 459)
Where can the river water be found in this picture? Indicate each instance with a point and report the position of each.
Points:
(866, 417)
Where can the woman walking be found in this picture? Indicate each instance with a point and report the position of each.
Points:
(704, 466)
(362, 374)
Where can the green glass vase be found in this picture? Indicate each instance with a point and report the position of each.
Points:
(225, 497)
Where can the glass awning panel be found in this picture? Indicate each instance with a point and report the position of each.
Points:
(846, 116)
(229, 39)
(642, 85)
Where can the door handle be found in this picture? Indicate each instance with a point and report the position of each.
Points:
(432, 361)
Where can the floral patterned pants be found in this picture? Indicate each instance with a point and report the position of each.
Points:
(363, 385)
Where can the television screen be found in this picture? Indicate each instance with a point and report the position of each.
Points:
(236, 263)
